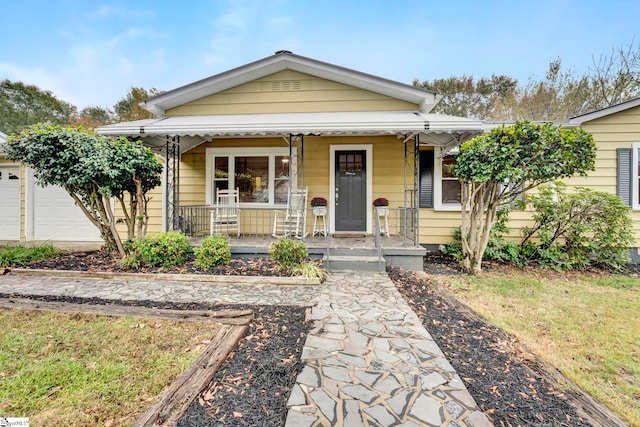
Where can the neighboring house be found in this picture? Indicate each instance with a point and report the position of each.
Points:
(288, 120)
(31, 213)
(616, 131)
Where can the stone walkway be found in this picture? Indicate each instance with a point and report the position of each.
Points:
(368, 359)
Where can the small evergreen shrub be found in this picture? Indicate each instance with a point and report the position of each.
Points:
(168, 249)
(22, 255)
(288, 253)
(214, 251)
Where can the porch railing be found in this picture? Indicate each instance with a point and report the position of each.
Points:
(257, 223)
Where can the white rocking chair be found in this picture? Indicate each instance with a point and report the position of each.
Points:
(292, 222)
(225, 216)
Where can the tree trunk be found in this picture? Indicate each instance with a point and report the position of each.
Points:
(479, 207)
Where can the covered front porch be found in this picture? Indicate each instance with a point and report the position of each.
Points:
(393, 241)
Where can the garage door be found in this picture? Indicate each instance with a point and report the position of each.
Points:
(57, 218)
(9, 203)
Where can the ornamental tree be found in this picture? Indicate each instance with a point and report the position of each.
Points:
(496, 168)
(93, 169)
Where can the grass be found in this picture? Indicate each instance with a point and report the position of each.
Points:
(586, 325)
(21, 255)
(87, 370)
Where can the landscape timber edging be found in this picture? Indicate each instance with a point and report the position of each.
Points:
(168, 277)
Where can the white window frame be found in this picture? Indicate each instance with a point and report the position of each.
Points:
(232, 153)
(437, 184)
(635, 178)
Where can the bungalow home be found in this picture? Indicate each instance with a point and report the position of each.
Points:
(31, 213)
(289, 122)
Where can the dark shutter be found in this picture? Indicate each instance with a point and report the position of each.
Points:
(625, 174)
(426, 179)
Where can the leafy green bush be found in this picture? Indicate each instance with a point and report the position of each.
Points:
(169, 249)
(214, 251)
(22, 255)
(573, 230)
(288, 253)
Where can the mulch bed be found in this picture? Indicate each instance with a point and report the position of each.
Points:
(252, 386)
(101, 261)
(510, 386)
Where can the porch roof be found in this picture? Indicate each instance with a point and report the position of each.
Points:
(265, 125)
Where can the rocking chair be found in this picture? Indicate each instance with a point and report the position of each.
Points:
(292, 222)
(225, 216)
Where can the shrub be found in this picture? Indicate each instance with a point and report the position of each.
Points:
(21, 255)
(214, 251)
(573, 230)
(169, 249)
(288, 253)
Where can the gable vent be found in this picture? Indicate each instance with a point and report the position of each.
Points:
(286, 85)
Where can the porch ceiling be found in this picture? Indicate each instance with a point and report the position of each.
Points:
(432, 128)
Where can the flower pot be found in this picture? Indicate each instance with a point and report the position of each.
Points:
(382, 210)
(319, 210)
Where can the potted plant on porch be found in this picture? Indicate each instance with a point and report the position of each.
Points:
(319, 206)
(382, 206)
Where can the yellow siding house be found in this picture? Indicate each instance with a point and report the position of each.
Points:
(289, 122)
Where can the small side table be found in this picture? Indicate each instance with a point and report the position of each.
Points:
(319, 221)
(383, 217)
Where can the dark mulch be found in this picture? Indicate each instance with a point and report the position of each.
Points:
(101, 261)
(509, 387)
(252, 387)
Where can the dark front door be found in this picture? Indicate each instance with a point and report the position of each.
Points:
(351, 191)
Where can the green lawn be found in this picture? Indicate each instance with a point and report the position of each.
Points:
(586, 325)
(77, 370)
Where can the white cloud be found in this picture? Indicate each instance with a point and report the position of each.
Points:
(110, 11)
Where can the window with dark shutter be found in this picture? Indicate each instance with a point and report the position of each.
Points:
(426, 179)
(624, 182)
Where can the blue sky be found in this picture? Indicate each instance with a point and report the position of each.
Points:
(91, 53)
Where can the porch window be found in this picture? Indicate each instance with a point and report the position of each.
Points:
(451, 186)
(260, 174)
(439, 188)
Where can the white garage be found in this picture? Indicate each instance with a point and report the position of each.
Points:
(52, 215)
(9, 202)
(57, 218)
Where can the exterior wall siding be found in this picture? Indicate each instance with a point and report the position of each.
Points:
(290, 92)
(620, 130)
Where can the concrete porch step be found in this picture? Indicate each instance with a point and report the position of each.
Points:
(354, 263)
